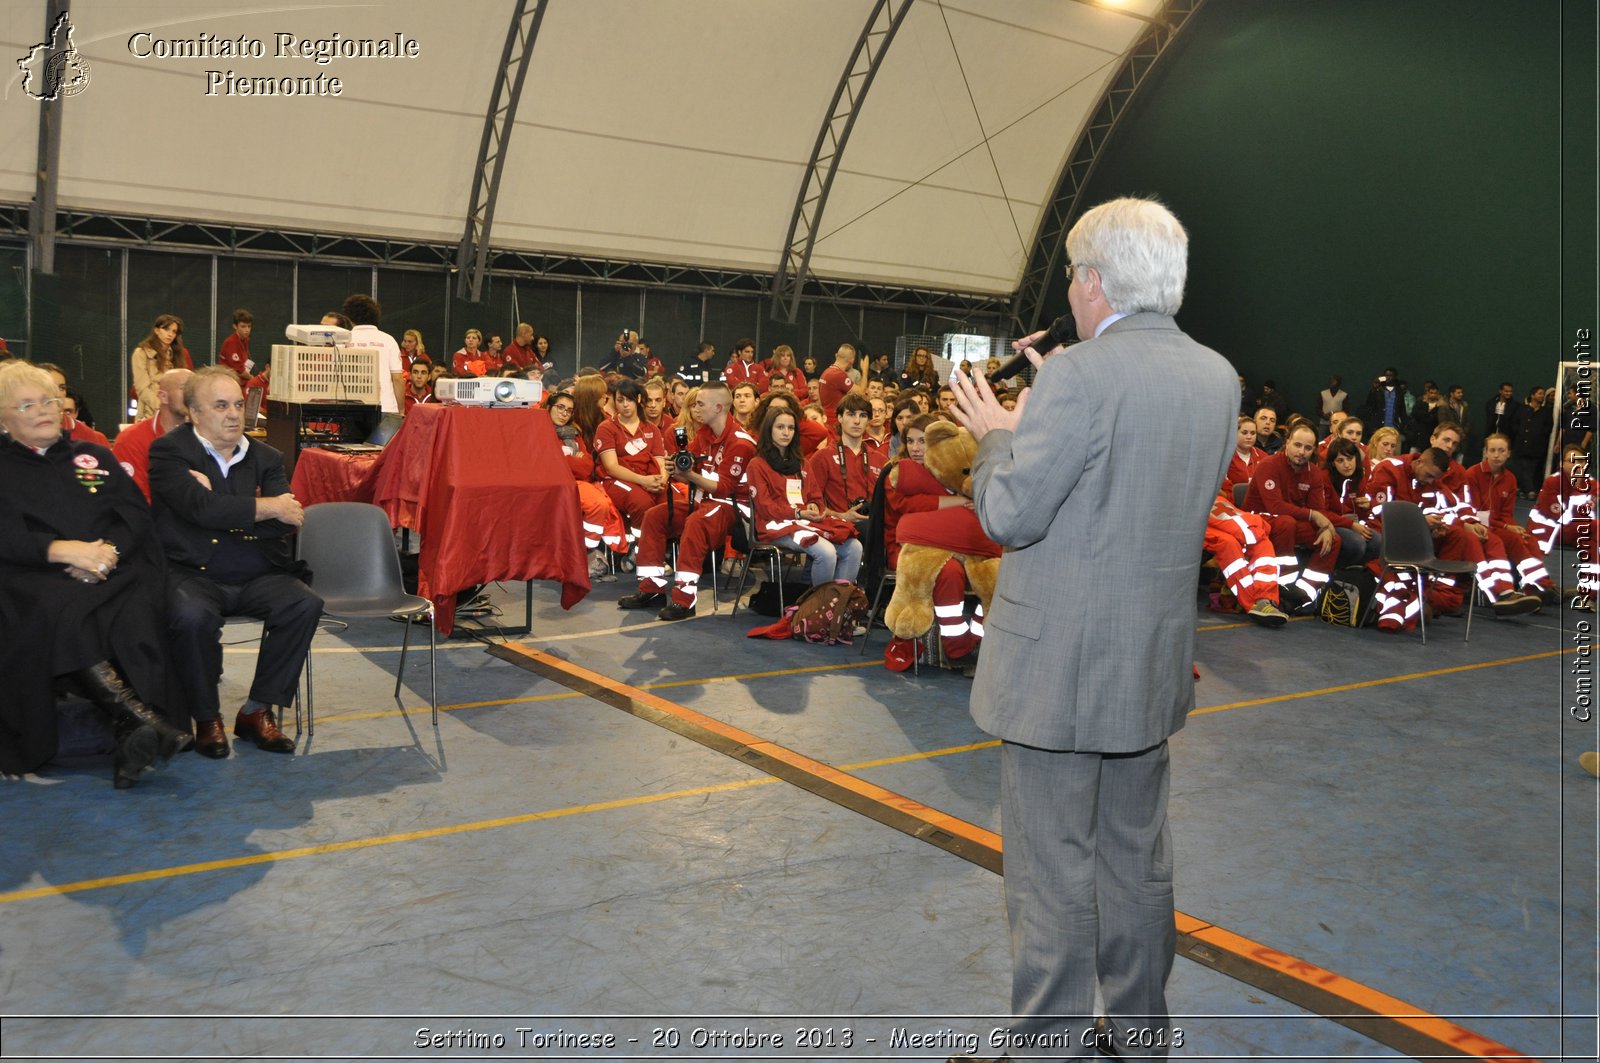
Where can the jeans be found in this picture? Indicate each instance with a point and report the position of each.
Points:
(828, 561)
(1354, 550)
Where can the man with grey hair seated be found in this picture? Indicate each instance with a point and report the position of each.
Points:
(224, 515)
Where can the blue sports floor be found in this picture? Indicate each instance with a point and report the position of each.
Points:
(1403, 823)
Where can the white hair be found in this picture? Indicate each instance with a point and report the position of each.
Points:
(20, 374)
(1140, 251)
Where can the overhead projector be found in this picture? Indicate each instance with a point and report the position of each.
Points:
(318, 335)
(489, 391)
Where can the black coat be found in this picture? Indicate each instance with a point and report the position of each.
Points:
(1533, 431)
(1506, 423)
(191, 519)
(51, 624)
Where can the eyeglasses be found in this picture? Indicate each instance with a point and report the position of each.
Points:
(562, 407)
(26, 408)
(1073, 268)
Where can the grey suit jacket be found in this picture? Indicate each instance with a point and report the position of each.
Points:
(1100, 498)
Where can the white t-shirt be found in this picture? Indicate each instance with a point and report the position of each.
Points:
(388, 362)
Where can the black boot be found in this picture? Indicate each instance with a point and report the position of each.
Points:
(137, 747)
(142, 734)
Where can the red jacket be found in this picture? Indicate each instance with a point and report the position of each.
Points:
(636, 451)
(832, 488)
(461, 361)
(84, 434)
(1495, 495)
(797, 380)
(514, 354)
(1239, 469)
(582, 463)
(1277, 490)
(132, 450)
(234, 354)
(911, 489)
(413, 400)
(738, 372)
(723, 458)
(813, 434)
(1391, 480)
(1561, 506)
(1342, 499)
(778, 499)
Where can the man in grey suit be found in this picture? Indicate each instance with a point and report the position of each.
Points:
(1098, 485)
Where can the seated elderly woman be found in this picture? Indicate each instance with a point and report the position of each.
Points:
(81, 588)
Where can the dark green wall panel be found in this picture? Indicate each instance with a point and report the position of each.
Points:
(1364, 183)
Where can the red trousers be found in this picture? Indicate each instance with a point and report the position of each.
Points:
(1398, 607)
(699, 533)
(958, 635)
(1583, 536)
(633, 502)
(601, 521)
(1287, 533)
(1250, 571)
(1522, 551)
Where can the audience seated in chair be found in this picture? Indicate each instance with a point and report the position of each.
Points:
(721, 451)
(1567, 513)
(224, 515)
(1412, 481)
(81, 590)
(783, 517)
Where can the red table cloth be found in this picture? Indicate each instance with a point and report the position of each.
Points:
(490, 493)
(330, 476)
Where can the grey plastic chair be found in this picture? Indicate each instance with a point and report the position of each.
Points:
(356, 570)
(746, 529)
(1408, 544)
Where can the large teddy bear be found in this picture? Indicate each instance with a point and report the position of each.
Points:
(930, 539)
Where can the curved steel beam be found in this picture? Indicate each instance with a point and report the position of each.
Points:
(473, 254)
(865, 58)
(1028, 303)
(47, 176)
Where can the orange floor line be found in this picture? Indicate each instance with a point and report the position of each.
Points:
(1266, 964)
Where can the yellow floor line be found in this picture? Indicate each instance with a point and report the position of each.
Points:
(354, 844)
(1344, 687)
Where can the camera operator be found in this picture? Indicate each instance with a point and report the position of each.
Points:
(841, 475)
(625, 358)
(715, 472)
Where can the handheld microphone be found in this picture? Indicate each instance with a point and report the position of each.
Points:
(1061, 331)
(1009, 368)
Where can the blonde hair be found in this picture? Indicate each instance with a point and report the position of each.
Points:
(413, 334)
(686, 415)
(1385, 432)
(19, 374)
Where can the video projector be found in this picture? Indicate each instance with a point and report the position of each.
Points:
(318, 335)
(489, 391)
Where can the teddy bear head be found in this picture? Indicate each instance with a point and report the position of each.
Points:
(949, 456)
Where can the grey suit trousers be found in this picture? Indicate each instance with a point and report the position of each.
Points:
(1088, 862)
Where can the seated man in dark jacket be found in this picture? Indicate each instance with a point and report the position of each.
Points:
(224, 514)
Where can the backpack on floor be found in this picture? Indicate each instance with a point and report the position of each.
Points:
(1348, 601)
(829, 613)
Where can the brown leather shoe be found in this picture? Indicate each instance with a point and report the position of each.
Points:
(260, 728)
(210, 740)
